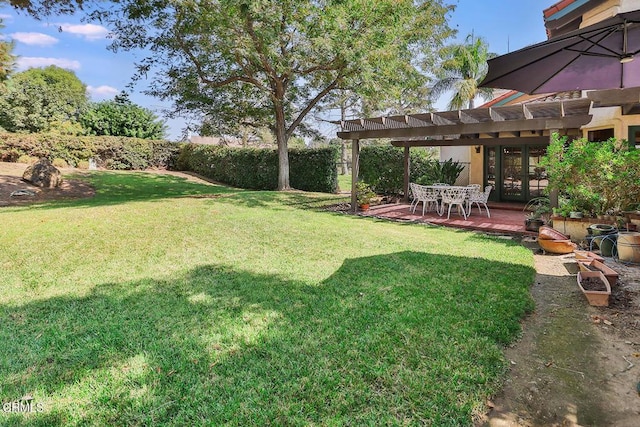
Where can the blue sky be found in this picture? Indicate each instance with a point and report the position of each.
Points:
(65, 41)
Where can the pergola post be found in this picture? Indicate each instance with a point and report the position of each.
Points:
(407, 166)
(553, 194)
(355, 162)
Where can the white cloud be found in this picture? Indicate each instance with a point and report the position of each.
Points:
(25, 62)
(102, 92)
(35, 39)
(88, 31)
(6, 17)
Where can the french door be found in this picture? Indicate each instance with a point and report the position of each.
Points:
(514, 172)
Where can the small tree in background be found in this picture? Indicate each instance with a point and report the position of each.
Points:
(121, 117)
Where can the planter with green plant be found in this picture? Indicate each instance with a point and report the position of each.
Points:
(539, 210)
(364, 195)
(597, 178)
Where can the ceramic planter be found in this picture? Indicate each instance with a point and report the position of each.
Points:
(364, 207)
(602, 229)
(594, 265)
(628, 246)
(595, 298)
(587, 256)
(549, 233)
(557, 246)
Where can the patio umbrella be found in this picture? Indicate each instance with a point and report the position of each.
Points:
(600, 56)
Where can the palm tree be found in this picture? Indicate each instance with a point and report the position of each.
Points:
(462, 69)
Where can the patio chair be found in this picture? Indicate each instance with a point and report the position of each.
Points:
(428, 196)
(480, 197)
(414, 198)
(456, 196)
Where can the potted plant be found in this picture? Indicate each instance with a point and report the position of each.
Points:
(364, 195)
(539, 211)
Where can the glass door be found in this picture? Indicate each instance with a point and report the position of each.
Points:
(514, 174)
(537, 182)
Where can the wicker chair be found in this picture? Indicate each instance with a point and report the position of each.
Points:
(480, 198)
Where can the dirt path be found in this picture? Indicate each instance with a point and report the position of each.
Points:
(575, 364)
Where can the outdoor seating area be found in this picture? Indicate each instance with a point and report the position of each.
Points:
(506, 218)
(441, 196)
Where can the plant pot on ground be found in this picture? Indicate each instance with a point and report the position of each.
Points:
(594, 265)
(595, 287)
(364, 195)
(539, 210)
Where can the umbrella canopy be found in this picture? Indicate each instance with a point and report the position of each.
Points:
(600, 56)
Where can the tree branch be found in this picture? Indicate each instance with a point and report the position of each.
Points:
(312, 104)
(202, 75)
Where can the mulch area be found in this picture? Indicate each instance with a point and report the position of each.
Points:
(11, 180)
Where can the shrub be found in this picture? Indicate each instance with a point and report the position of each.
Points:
(383, 168)
(596, 177)
(59, 163)
(110, 152)
(83, 164)
(25, 158)
(254, 168)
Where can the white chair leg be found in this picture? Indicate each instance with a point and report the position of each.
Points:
(487, 208)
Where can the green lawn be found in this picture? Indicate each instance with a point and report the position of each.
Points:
(163, 302)
(344, 182)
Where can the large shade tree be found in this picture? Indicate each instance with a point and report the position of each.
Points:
(39, 98)
(462, 69)
(271, 62)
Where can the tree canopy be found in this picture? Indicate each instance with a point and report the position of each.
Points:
(39, 98)
(271, 62)
(7, 59)
(121, 117)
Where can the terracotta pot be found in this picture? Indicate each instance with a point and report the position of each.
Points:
(364, 207)
(557, 246)
(549, 233)
(588, 256)
(597, 298)
(594, 265)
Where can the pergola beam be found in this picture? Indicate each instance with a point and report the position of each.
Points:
(489, 142)
(473, 128)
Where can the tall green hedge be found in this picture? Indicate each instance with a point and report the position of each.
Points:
(110, 152)
(382, 167)
(253, 168)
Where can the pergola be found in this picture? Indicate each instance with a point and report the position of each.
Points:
(490, 126)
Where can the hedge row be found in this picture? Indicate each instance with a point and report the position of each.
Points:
(382, 167)
(309, 169)
(110, 152)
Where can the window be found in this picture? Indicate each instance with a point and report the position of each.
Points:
(600, 134)
(634, 136)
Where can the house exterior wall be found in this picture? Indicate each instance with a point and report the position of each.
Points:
(607, 10)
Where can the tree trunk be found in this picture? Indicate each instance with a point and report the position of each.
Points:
(283, 151)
